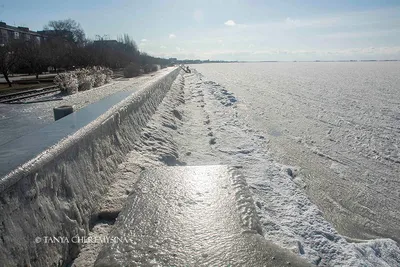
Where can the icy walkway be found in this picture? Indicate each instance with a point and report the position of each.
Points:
(191, 216)
(19, 119)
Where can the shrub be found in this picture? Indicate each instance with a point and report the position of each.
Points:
(132, 70)
(98, 76)
(67, 82)
(154, 68)
(99, 79)
(86, 83)
(147, 68)
(85, 79)
(108, 72)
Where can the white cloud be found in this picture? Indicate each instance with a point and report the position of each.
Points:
(143, 40)
(389, 51)
(172, 36)
(198, 15)
(230, 23)
(163, 47)
(285, 54)
(362, 34)
(292, 22)
(321, 22)
(379, 18)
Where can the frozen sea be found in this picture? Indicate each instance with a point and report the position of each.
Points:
(338, 125)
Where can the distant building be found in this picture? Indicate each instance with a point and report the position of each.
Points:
(8, 33)
(64, 34)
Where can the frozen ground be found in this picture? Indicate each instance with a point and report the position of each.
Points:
(201, 122)
(340, 123)
(18, 119)
(214, 133)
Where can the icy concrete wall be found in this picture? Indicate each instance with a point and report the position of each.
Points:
(56, 193)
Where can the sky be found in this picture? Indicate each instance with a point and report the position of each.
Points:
(230, 30)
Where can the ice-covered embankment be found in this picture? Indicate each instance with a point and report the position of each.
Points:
(57, 192)
(156, 146)
(161, 143)
(197, 124)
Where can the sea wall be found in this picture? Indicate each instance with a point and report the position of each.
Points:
(56, 193)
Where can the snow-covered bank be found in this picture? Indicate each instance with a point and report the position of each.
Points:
(156, 146)
(198, 124)
(172, 135)
(56, 193)
(340, 123)
(213, 133)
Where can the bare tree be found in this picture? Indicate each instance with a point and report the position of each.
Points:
(67, 29)
(67, 47)
(57, 52)
(9, 55)
(34, 56)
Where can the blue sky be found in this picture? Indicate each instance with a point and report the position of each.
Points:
(230, 30)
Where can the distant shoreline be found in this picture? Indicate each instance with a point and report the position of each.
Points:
(276, 61)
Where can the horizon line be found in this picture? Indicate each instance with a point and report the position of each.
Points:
(317, 60)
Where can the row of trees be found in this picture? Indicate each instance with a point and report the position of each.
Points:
(66, 47)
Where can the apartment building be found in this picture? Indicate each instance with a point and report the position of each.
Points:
(8, 33)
